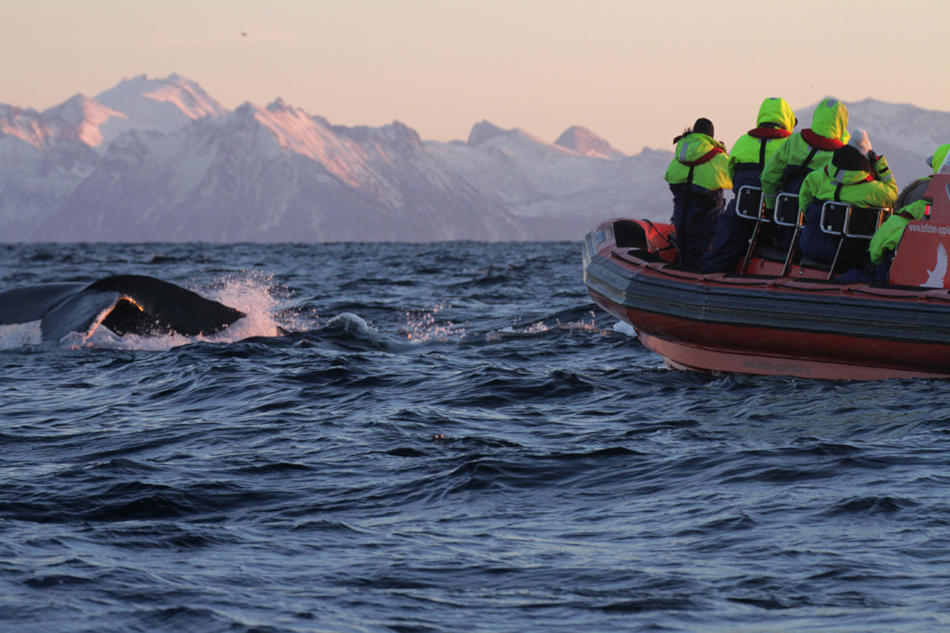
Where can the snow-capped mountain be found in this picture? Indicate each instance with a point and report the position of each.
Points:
(160, 105)
(275, 174)
(557, 192)
(77, 119)
(159, 159)
(43, 158)
(80, 118)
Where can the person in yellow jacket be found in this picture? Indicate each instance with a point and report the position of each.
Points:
(911, 206)
(773, 125)
(803, 152)
(697, 175)
(856, 176)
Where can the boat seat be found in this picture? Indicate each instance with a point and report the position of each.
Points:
(629, 233)
(646, 255)
(785, 214)
(788, 215)
(811, 263)
(850, 222)
(854, 227)
(749, 203)
(786, 210)
(771, 252)
(749, 206)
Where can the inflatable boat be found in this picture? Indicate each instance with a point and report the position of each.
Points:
(777, 313)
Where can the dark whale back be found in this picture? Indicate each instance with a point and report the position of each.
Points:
(139, 305)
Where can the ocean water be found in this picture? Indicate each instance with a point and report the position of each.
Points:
(449, 437)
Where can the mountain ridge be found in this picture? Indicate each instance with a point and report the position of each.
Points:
(160, 159)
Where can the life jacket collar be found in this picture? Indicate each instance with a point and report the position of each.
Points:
(767, 131)
(819, 141)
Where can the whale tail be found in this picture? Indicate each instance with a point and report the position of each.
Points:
(125, 304)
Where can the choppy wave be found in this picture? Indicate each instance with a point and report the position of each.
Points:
(475, 447)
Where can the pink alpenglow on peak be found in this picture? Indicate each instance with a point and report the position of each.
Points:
(77, 119)
(583, 141)
(312, 137)
(185, 95)
(24, 124)
(159, 159)
(160, 105)
(81, 116)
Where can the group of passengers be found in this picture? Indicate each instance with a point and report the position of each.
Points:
(821, 163)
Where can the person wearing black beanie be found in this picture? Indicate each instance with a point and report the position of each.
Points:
(856, 176)
(697, 175)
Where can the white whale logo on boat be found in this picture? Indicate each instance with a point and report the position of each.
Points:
(936, 276)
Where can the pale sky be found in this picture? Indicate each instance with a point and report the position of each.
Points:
(636, 73)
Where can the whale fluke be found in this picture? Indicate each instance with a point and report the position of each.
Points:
(125, 304)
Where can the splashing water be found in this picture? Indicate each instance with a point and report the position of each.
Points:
(587, 324)
(624, 328)
(251, 293)
(20, 334)
(421, 326)
(355, 325)
(254, 294)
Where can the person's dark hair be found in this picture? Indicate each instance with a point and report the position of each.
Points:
(704, 126)
(701, 126)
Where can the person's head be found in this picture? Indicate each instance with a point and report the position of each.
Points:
(704, 126)
(856, 154)
(701, 126)
(851, 158)
(940, 160)
(831, 120)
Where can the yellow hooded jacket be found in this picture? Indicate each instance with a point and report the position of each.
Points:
(816, 145)
(705, 157)
(774, 124)
(889, 235)
(857, 187)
